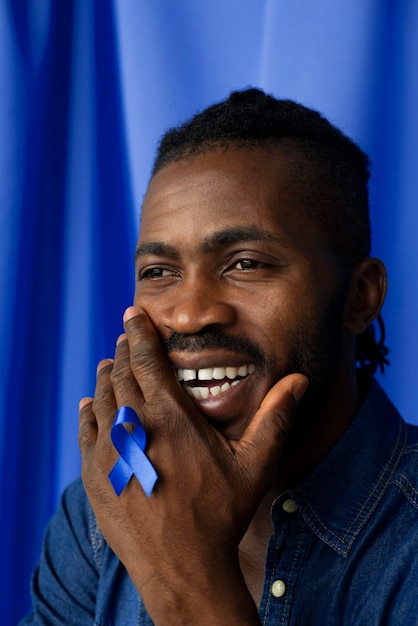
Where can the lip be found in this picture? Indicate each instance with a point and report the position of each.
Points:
(231, 411)
(203, 360)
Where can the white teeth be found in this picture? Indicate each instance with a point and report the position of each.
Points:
(214, 373)
(200, 393)
(219, 373)
(187, 375)
(205, 374)
(203, 393)
(231, 372)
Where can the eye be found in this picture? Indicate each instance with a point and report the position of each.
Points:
(248, 265)
(154, 273)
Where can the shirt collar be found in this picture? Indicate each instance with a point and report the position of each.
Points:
(338, 497)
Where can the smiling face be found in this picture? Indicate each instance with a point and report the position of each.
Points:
(238, 282)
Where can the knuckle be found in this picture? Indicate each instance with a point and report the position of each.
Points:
(283, 418)
(121, 369)
(103, 395)
(87, 435)
(87, 431)
(147, 361)
(104, 400)
(143, 352)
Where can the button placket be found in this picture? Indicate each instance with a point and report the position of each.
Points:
(290, 540)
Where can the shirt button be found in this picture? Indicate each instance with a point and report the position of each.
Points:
(278, 588)
(289, 506)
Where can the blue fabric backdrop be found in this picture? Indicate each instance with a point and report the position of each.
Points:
(87, 87)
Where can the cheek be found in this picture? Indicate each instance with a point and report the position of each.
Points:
(153, 311)
(279, 319)
(143, 299)
(137, 298)
(292, 332)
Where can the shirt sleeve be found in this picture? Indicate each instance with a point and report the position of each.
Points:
(65, 582)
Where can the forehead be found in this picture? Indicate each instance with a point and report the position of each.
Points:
(222, 189)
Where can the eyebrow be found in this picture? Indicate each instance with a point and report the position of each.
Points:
(156, 248)
(234, 235)
(212, 242)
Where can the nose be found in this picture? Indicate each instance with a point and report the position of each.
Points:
(195, 305)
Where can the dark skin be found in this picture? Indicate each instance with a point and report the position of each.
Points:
(224, 245)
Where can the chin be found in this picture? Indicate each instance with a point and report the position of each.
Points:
(230, 430)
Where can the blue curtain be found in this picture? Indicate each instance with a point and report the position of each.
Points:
(87, 87)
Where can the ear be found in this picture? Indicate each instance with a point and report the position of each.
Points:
(366, 295)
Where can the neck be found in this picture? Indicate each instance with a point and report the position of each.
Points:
(315, 433)
(311, 439)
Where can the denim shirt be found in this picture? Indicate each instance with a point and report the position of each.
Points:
(344, 549)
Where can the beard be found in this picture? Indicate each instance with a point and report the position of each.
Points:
(316, 351)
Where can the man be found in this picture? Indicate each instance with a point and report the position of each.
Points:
(287, 482)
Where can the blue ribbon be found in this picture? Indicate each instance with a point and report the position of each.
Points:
(132, 460)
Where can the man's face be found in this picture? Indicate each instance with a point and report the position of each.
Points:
(238, 282)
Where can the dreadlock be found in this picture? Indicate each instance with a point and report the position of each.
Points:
(370, 353)
(332, 174)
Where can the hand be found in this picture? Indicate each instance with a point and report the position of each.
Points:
(180, 545)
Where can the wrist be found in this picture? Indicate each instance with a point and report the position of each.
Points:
(204, 600)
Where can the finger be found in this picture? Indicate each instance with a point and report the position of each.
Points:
(264, 438)
(166, 409)
(97, 416)
(98, 456)
(149, 362)
(125, 386)
(104, 403)
(87, 425)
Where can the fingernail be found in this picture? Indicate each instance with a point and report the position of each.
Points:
(104, 363)
(120, 338)
(299, 388)
(84, 402)
(131, 311)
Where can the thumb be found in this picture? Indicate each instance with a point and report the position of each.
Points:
(266, 434)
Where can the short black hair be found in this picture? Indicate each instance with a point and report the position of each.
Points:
(332, 173)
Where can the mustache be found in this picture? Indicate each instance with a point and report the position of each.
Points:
(211, 338)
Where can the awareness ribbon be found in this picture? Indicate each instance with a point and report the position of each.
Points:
(132, 460)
